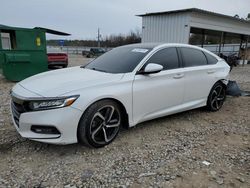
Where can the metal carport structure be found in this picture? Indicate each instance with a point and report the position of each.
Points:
(176, 26)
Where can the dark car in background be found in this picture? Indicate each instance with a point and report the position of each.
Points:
(93, 52)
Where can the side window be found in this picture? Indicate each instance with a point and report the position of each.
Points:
(210, 59)
(167, 57)
(193, 57)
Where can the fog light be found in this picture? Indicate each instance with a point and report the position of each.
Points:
(44, 129)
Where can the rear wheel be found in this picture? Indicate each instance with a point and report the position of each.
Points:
(100, 124)
(216, 97)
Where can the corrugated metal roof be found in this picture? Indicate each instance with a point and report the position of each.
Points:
(5, 27)
(51, 31)
(195, 10)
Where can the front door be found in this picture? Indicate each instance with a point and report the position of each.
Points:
(158, 94)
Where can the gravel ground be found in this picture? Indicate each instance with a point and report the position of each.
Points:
(191, 149)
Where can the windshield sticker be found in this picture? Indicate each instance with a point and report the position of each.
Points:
(140, 50)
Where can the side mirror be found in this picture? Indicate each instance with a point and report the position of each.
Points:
(151, 68)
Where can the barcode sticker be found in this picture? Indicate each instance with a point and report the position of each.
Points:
(140, 50)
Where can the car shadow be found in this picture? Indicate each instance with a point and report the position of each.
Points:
(165, 119)
(72, 149)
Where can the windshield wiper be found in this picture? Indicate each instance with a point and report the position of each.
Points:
(84, 66)
(98, 69)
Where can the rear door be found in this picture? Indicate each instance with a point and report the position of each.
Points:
(199, 75)
(155, 94)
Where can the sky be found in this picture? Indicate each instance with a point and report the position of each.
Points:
(82, 18)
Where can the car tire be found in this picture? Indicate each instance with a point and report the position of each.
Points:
(89, 55)
(100, 124)
(216, 97)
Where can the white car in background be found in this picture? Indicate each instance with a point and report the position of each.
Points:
(123, 87)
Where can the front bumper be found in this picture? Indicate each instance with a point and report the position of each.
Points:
(65, 120)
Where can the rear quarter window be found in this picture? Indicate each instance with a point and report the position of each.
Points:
(193, 57)
(211, 60)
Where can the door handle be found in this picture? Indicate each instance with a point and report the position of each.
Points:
(211, 71)
(178, 76)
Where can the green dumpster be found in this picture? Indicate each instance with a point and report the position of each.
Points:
(23, 51)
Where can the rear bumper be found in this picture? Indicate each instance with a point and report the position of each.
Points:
(58, 63)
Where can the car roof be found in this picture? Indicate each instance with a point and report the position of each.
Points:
(144, 45)
(157, 46)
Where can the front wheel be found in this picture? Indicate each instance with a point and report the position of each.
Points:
(100, 124)
(216, 97)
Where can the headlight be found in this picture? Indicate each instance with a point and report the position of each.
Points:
(52, 103)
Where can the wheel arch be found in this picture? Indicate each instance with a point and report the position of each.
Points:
(125, 116)
(223, 82)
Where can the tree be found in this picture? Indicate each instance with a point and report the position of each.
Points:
(110, 41)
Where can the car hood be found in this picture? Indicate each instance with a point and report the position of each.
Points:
(60, 82)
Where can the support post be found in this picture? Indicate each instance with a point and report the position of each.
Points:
(98, 38)
(245, 54)
(202, 38)
(241, 41)
(221, 41)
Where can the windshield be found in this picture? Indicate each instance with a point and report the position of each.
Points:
(96, 50)
(119, 60)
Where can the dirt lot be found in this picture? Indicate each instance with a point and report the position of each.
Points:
(167, 152)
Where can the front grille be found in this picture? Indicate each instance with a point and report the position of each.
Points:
(17, 110)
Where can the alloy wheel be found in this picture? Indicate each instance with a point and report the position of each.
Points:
(218, 97)
(105, 124)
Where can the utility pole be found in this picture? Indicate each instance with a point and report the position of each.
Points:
(98, 38)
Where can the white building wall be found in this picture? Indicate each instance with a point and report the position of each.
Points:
(171, 28)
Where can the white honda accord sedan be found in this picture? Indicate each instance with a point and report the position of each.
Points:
(123, 87)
